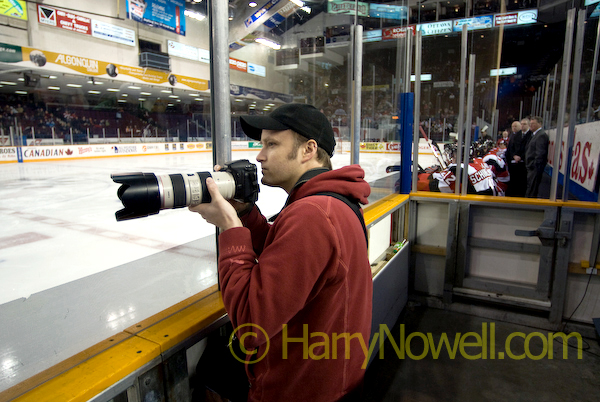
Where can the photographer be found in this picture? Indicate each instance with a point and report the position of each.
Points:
(304, 279)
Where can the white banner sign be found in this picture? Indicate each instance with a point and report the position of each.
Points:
(113, 33)
(586, 150)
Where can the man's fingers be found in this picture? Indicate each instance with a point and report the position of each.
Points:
(212, 187)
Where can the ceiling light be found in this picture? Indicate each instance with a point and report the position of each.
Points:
(253, 4)
(269, 43)
(194, 94)
(54, 88)
(299, 3)
(21, 92)
(134, 87)
(124, 95)
(194, 14)
(167, 91)
(199, 99)
(173, 96)
(8, 83)
(53, 77)
(141, 99)
(94, 92)
(74, 85)
(113, 90)
(21, 79)
(145, 93)
(122, 100)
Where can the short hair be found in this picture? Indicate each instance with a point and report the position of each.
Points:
(525, 119)
(538, 119)
(322, 155)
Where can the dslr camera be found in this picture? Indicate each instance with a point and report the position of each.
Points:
(144, 194)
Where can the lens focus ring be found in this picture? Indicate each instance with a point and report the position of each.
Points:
(195, 189)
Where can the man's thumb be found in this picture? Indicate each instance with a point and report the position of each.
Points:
(212, 187)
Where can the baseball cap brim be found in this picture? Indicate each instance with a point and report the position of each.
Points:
(254, 125)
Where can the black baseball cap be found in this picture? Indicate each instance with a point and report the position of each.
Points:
(304, 119)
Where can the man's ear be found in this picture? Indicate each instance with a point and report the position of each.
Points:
(309, 150)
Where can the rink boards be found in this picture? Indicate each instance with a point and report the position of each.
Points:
(67, 152)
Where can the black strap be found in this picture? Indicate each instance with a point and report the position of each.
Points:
(353, 205)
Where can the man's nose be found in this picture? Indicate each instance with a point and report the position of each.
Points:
(260, 157)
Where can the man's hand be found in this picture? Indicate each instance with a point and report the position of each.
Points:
(219, 211)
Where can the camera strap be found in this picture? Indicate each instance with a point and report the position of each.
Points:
(353, 205)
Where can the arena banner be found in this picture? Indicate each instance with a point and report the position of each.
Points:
(348, 7)
(8, 154)
(69, 21)
(165, 14)
(586, 152)
(14, 9)
(34, 58)
(474, 23)
(397, 32)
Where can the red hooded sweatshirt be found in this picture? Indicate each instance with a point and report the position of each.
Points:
(304, 284)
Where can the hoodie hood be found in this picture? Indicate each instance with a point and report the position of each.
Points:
(347, 181)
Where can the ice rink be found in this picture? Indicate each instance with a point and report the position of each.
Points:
(58, 222)
(72, 276)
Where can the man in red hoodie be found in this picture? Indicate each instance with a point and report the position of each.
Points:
(298, 291)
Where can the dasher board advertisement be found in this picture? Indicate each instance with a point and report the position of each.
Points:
(165, 14)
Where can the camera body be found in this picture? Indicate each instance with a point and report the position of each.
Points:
(144, 194)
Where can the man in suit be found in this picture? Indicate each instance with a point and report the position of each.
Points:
(515, 161)
(536, 156)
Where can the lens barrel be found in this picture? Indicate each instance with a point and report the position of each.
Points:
(144, 194)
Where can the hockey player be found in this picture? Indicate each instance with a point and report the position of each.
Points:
(491, 156)
(481, 179)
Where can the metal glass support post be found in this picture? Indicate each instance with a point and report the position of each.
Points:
(590, 106)
(417, 121)
(562, 101)
(521, 111)
(357, 51)
(545, 106)
(541, 100)
(461, 106)
(408, 60)
(219, 78)
(574, 101)
(549, 122)
(470, 94)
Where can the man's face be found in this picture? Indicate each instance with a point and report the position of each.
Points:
(534, 124)
(280, 159)
(524, 125)
(516, 127)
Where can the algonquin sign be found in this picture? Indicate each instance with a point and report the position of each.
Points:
(61, 62)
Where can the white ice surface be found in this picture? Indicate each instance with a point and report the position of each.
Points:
(57, 220)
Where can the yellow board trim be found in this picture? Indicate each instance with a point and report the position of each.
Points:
(382, 207)
(95, 375)
(89, 373)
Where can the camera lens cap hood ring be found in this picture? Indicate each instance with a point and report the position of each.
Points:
(206, 198)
